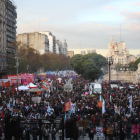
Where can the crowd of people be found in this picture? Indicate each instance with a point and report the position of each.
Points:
(120, 124)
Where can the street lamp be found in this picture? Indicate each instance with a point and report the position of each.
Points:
(109, 62)
(17, 64)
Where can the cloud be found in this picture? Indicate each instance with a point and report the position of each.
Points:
(108, 7)
(137, 4)
(131, 15)
(43, 19)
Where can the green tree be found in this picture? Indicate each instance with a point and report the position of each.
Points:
(89, 66)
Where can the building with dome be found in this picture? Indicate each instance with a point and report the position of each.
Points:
(119, 53)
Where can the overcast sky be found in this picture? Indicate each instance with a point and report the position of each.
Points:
(85, 24)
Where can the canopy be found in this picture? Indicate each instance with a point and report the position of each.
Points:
(22, 88)
(31, 85)
(35, 90)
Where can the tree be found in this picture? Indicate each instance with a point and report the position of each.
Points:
(75, 59)
(89, 66)
(134, 65)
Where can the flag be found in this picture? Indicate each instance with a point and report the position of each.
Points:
(130, 103)
(100, 98)
(72, 108)
(103, 107)
(65, 117)
(67, 105)
(2, 114)
(8, 105)
(110, 99)
(99, 104)
(117, 109)
(90, 89)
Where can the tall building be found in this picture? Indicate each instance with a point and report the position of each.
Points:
(83, 52)
(119, 53)
(65, 48)
(70, 53)
(8, 16)
(11, 16)
(35, 40)
(62, 47)
(2, 34)
(52, 41)
(91, 51)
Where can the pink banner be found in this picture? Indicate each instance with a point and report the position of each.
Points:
(27, 78)
(13, 79)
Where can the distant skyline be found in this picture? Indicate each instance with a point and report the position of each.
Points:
(84, 24)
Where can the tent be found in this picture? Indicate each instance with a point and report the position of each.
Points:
(31, 85)
(35, 90)
(22, 88)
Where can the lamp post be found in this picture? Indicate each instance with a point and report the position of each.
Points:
(109, 62)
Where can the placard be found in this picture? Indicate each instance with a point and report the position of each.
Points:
(99, 132)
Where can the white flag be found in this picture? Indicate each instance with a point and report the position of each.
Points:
(103, 107)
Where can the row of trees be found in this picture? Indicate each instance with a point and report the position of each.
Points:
(30, 60)
(89, 66)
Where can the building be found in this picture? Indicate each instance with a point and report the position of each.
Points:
(36, 40)
(11, 16)
(8, 16)
(65, 48)
(91, 51)
(83, 52)
(52, 41)
(70, 53)
(124, 75)
(62, 47)
(2, 34)
(119, 53)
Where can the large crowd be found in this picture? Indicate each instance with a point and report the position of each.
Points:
(124, 124)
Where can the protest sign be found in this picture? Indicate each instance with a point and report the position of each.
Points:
(99, 132)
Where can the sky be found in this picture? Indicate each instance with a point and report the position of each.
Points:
(85, 24)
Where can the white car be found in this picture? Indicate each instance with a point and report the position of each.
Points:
(131, 86)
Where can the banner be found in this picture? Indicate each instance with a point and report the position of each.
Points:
(13, 79)
(67, 105)
(45, 84)
(5, 82)
(27, 78)
(36, 99)
(99, 132)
